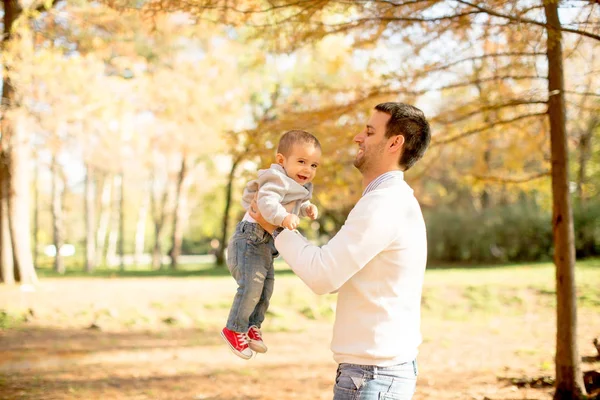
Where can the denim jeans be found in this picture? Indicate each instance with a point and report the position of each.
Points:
(250, 255)
(369, 382)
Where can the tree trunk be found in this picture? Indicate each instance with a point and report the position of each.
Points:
(6, 260)
(15, 155)
(36, 212)
(104, 219)
(156, 251)
(569, 380)
(57, 218)
(90, 240)
(178, 213)
(158, 213)
(584, 149)
(140, 230)
(19, 193)
(113, 236)
(122, 222)
(224, 227)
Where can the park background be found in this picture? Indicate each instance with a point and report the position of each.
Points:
(130, 129)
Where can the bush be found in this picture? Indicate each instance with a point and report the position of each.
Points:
(519, 232)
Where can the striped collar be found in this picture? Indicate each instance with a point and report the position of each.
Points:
(382, 178)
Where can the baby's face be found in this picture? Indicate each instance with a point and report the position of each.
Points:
(302, 162)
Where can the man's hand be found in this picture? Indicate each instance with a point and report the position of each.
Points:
(291, 222)
(312, 211)
(254, 213)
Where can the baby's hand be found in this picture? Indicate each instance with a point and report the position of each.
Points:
(312, 211)
(291, 222)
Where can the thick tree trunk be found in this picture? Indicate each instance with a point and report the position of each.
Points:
(178, 211)
(6, 260)
(57, 218)
(569, 380)
(104, 219)
(140, 230)
(225, 224)
(90, 240)
(15, 155)
(19, 193)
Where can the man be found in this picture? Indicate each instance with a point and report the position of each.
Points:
(376, 262)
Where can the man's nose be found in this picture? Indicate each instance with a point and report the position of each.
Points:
(359, 138)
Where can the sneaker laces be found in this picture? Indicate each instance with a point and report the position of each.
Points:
(257, 333)
(242, 338)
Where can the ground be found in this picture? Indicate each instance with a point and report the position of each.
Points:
(158, 338)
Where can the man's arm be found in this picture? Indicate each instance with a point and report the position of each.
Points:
(367, 231)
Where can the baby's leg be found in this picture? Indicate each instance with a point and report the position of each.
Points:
(258, 316)
(251, 275)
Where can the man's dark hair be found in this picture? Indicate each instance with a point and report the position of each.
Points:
(296, 136)
(409, 122)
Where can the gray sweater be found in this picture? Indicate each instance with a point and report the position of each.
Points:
(278, 195)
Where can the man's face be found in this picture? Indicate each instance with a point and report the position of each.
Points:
(302, 162)
(371, 142)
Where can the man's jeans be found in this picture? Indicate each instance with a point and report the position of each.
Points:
(369, 382)
(250, 255)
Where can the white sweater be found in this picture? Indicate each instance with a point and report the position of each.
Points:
(377, 262)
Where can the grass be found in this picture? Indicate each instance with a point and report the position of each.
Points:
(510, 274)
(455, 294)
(182, 271)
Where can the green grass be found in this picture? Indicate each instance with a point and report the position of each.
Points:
(457, 294)
(182, 271)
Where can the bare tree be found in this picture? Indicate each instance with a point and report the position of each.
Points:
(178, 210)
(104, 221)
(57, 216)
(159, 214)
(89, 206)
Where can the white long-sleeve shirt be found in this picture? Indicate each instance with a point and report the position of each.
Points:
(377, 263)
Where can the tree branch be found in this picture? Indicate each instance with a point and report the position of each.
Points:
(502, 179)
(527, 20)
(443, 67)
(474, 82)
(42, 7)
(493, 107)
(582, 93)
(485, 128)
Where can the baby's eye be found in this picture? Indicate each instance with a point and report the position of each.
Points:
(314, 166)
(301, 161)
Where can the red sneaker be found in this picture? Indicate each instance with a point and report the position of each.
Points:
(255, 338)
(238, 343)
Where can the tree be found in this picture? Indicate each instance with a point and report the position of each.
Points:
(180, 194)
(423, 25)
(14, 140)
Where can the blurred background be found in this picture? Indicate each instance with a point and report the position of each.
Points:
(129, 130)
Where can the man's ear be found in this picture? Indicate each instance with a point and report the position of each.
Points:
(279, 158)
(396, 143)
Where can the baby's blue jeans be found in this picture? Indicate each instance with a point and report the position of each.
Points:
(250, 255)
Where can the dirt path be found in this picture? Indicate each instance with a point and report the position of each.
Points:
(55, 356)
